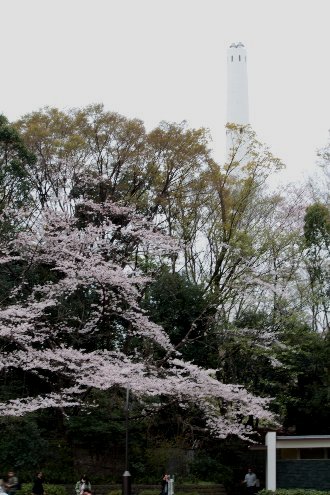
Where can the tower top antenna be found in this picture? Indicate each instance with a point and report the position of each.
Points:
(237, 45)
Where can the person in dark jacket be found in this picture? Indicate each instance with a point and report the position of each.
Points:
(38, 488)
(164, 484)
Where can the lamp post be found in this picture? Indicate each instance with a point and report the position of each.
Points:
(126, 488)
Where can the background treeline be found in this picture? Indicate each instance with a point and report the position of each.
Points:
(247, 295)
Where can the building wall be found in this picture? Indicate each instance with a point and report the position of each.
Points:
(303, 474)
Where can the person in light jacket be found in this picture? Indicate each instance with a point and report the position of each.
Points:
(82, 485)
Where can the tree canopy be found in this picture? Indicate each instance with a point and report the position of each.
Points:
(133, 259)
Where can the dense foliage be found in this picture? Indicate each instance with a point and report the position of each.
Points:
(132, 259)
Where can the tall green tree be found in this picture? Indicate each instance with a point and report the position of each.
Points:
(14, 160)
(317, 242)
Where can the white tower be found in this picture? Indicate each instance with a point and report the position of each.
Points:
(237, 107)
(237, 85)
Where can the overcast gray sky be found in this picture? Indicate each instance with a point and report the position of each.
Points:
(166, 60)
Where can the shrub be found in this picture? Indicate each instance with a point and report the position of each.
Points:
(49, 489)
(155, 492)
(293, 491)
(206, 468)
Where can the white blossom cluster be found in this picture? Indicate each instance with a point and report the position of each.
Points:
(96, 258)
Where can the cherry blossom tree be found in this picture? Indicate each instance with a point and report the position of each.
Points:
(79, 324)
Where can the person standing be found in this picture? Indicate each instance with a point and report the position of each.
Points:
(38, 487)
(82, 485)
(250, 480)
(164, 484)
(12, 483)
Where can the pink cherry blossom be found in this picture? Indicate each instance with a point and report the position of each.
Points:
(98, 258)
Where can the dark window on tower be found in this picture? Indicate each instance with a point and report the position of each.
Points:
(232, 58)
(239, 57)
